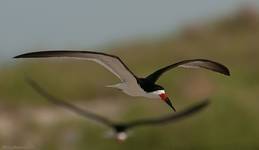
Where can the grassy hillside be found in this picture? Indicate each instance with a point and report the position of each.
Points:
(231, 122)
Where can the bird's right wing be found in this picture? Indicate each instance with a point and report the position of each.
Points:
(194, 63)
(170, 118)
(73, 108)
(113, 63)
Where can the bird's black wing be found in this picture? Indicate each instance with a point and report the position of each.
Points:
(73, 108)
(112, 63)
(169, 118)
(195, 63)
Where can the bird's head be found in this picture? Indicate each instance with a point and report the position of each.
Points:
(160, 92)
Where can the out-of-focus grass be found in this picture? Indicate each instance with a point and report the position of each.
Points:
(231, 122)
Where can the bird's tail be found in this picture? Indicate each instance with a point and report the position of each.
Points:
(116, 86)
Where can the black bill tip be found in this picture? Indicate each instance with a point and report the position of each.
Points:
(170, 104)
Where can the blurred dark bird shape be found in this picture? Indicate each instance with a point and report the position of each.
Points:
(120, 129)
(130, 83)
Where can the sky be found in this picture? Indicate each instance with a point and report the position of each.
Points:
(27, 25)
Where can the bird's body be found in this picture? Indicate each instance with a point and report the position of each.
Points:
(129, 89)
(130, 83)
(136, 90)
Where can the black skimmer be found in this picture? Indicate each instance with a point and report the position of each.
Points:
(130, 83)
(120, 130)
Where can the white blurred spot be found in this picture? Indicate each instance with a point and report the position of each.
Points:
(122, 136)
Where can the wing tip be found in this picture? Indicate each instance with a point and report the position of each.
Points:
(218, 68)
(226, 72)
(29, 55)
(18, 56)
(25, 55)
(199, 106)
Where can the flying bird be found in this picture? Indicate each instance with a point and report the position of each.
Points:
(120, 130)
(130, 83)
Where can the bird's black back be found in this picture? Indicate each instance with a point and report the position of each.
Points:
(148, 86)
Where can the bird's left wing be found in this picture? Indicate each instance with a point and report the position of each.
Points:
(73, 108)
(113, 63)
(170, 118)
(194, 63)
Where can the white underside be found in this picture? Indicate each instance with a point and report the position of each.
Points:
(134, 90)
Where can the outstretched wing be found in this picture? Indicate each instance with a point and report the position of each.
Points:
(67, 105)
(113, 63)
(170, 118)
(195, 63)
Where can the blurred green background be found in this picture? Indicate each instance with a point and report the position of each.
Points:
(230, 122)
